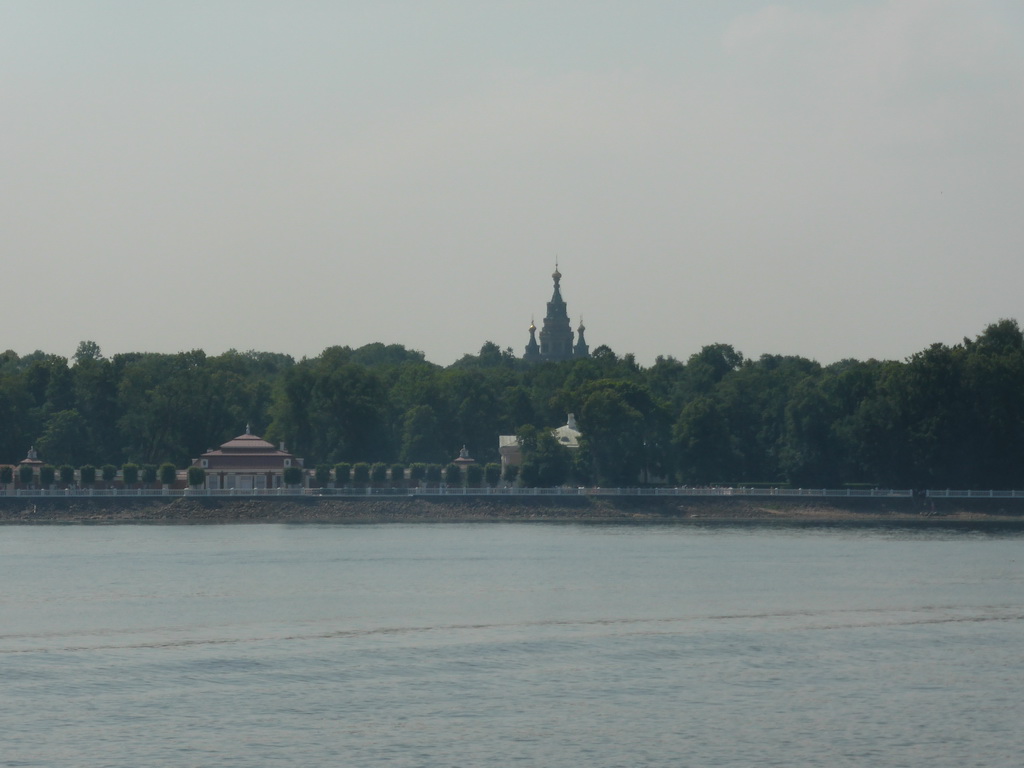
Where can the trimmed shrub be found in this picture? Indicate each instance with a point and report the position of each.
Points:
(196, 476)
(417, 473)
(361, 473)
(168, 473)
(453, 475)
(492, 474)
(130, 474)
(511, 474)
(434, 473)
(47, 474)
(397, 475)
(342, 474)
(322, 475)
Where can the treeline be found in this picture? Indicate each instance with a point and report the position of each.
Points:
(949, 416)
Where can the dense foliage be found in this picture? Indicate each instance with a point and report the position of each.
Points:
(949, 416)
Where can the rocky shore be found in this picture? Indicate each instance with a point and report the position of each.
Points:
(571, 509)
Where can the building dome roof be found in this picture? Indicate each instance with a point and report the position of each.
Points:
(247, 443)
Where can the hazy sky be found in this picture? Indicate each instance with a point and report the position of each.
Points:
(823, 178)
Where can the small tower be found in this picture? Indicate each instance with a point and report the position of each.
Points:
(581, 349)
(532, 347)
(464, 459)
(32, 459)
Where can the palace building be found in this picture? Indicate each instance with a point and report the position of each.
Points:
(247, 462)
(556, 336)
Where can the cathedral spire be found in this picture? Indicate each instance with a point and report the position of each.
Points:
(556, 296)
(556, 336)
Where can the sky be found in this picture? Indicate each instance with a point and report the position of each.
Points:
(832, 179)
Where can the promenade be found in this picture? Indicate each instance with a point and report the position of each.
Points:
(846, 493)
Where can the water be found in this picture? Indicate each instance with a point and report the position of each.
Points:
(496, 645)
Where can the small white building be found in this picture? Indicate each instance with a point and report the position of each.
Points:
(512, 455)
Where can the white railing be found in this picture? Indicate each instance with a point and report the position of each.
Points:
(949, 494)
(504, 491)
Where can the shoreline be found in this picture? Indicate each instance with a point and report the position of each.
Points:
(583, 509)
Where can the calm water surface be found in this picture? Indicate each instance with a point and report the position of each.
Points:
(495, 645)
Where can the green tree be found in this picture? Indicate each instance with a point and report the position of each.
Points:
(515, 407)
(26, 475)
(66, 473)
(472, 411)
(474, 475)
(292, 476)
(196, 476)
(169, 405)
(346, 402)
(453, 475)
(817, 449)
(168, 473)
(149, 474)
(379, 473)
(435, 472)
(322, 474)
(666, 380)
(397, 475)
(420, 431)
(95, 385)
(417, 473)
(932, 415)
(992, 371)
(361, 473)
(47, 474)
(753, 400)
(20, 420)
(59, 393)
(342, 474)
(130, 475)
(492, 474)
(491, 356)
(87, 475)
(65, 437)
(109, 472)
(705, 369)
(625, 431)
(511, 474)
(377, 355)
(581, 466)
(87, 351)
(703, 443)
(546, 462)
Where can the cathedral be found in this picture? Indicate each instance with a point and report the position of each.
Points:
(556, 336)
